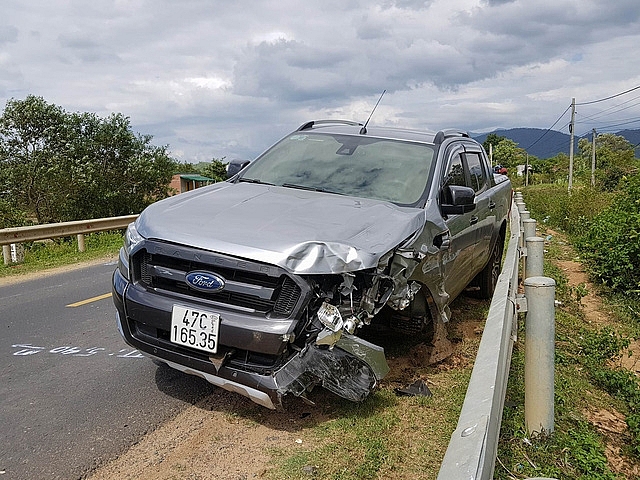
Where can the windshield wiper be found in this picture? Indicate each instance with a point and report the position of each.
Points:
(253, 180)
(313, 189)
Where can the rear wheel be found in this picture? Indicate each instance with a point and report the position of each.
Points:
(488, 277)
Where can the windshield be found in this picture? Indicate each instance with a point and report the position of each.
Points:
(378, 168)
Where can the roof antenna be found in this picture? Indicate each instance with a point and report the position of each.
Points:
(363, 130)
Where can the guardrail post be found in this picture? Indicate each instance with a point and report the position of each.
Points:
(539, 355)
(6, 254)
(529, 228)
(81, 246)
(521, 208)
(534, 265)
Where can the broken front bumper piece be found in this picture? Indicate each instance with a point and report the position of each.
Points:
(351, 369)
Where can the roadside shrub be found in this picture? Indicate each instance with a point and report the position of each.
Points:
(611, 246)
(552, 205)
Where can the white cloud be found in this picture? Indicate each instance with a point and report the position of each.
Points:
(214, 78)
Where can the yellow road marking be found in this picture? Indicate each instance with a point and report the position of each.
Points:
(89, 300)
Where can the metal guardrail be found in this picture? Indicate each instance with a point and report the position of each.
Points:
(474, 444)
(64, 229)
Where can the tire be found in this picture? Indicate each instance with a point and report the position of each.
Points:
(488, 277)
(416, 320)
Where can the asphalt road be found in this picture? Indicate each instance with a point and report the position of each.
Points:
(72, 394)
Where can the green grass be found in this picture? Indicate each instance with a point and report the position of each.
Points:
(40, 256)
(575, 450)
(386, 436)
(390, 436)
(586, 379)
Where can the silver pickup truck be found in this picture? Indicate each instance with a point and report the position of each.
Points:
(266, 284)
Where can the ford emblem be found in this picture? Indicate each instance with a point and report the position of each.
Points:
(205, 281)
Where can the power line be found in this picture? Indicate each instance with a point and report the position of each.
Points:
(610, 97)
(549, 129)
(610, 123)
(620, 124)
(614, 109)
(601, 124)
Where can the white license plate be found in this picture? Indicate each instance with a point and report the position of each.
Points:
(195, 328)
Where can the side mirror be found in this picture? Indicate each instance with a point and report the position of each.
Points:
(234, 166)
(457, 200)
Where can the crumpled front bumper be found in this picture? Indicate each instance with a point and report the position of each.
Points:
(351, 369)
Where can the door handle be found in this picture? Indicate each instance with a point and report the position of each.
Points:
(492, 204)
(473, 220)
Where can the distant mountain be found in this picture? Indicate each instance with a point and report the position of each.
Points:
(632, 136)
(546, 144)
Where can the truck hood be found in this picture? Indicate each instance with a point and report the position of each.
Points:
(301, 231)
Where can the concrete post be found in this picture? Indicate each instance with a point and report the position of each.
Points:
(525, 215)
(529, 228)
(6, 254)
(521, 206)
(81, 246)
(534, 265)
(539, 355)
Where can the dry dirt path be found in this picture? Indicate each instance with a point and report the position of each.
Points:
(609, 422)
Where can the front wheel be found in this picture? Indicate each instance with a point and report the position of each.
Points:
(488, 277)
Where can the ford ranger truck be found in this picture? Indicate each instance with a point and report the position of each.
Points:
(266, 284)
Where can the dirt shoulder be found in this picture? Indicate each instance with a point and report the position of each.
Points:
(209, 441)
(609, 422)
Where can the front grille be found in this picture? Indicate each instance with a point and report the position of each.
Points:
(250, 286)
(289, 295)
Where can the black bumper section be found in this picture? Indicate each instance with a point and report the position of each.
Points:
(336, 370)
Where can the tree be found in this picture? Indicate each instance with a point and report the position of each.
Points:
(32, 135)
(186, 168)
(10, 216)
(611, 245)
(508, 153)
(615, 159)
(118, 172)
(58, 166)
(549, 170)
(217, 169)
(492, 139)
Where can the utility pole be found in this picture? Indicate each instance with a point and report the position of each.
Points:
(526, 170)
(571, 131)
(593, 158)
(491, 154)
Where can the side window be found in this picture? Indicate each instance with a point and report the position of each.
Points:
(478, 178)
(455, 173)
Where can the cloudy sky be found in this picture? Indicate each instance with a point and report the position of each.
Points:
(213, 78)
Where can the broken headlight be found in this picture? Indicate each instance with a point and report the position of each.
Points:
(330, 317)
